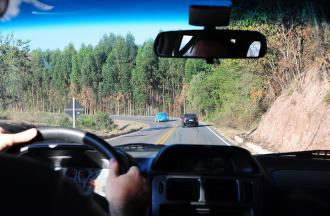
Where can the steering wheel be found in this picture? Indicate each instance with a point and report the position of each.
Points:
(82, 137)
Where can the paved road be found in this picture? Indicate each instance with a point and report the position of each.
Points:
(169, 132)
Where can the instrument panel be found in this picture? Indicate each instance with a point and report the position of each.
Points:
(205, 180)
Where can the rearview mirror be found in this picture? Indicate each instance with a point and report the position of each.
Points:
(211, 44)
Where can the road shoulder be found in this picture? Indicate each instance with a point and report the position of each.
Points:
(123, 127)
(236, 138)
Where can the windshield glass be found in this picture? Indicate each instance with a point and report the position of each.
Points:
(91, 65)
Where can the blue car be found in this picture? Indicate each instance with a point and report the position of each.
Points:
(161, 117)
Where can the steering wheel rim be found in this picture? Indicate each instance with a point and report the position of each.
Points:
(81, 137)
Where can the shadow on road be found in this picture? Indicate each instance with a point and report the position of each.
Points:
(157, 128)
(138, 135)
(124, 127)
(199, 126)
(205, 125)
(171, 120)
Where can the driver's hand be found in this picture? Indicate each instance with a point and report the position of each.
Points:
(127, 194)
(8, 140)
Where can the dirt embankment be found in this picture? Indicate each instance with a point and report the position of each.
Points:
(122, 127)
(300, 118)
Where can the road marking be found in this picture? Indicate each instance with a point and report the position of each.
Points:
(217, 135)
(166, 136)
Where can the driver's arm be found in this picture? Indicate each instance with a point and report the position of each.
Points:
(127, 194)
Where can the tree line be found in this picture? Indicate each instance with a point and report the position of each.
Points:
(115, 76)
(120, 77)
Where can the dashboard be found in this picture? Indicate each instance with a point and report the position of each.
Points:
(203, 180)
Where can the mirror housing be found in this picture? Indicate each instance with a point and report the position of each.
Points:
(209, 16)
(3, 7)
(211, 44)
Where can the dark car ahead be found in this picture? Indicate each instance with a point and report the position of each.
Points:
(189, 119)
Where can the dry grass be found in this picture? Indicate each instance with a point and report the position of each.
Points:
(18, 121)
(34, 117)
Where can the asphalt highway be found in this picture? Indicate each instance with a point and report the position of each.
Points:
(170, 132)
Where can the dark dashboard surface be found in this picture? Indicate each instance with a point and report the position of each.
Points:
(203, 159)
(209, 180)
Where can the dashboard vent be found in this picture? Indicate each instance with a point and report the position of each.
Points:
(183, 189)
(247, 192)
(221, 190)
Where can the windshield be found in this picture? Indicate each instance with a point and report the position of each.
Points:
(91, 65)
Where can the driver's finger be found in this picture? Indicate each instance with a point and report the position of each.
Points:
(134, 171)
(114, 170)
(24, 136)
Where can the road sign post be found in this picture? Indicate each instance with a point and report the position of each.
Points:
(74, 109)
(73, 113)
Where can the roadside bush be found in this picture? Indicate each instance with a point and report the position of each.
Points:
(103, 120)
(85, 121)
(99, 121)
(65, 122)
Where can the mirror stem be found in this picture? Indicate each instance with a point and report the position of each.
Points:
(209, 28)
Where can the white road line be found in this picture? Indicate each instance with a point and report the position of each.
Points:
(219, 137)
(148, 126)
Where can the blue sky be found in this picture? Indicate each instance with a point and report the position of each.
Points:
(86, 21)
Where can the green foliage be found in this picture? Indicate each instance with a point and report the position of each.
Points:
(64, 122)
(14, 69)
(87, 67)
(195, 66)
(290, 92)
(110, 81)
(118, 76)
(85, 121)
(144, 75)
(231, 92)
(99, 121)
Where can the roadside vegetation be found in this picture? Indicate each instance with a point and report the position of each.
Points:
(118, 76)
(97, 122)
(231, 94)
(36, 118)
